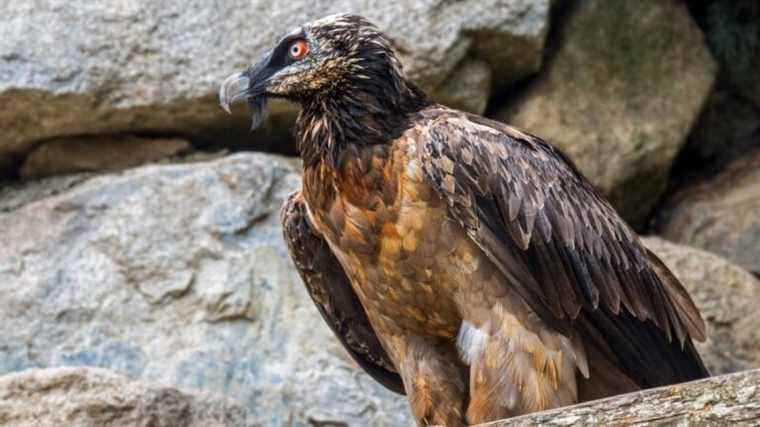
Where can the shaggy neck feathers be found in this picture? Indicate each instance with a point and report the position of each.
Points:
(371, 107)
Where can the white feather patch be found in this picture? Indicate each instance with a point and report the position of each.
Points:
(471, 341)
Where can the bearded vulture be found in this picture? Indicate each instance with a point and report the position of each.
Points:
(459, 260)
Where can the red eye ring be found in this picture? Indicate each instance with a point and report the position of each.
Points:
(298, 49)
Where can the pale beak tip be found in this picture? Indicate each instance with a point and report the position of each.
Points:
(234, 88)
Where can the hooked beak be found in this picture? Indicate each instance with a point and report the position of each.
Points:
(233, 89)
(249, 86)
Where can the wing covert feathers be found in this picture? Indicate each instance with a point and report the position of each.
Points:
(561, 245)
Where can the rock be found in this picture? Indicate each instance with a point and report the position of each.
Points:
(468, 87)
(725, 400)
(719, 214)
(619, 95)
(727, 296)
(93, 396)
(90, 154)
(14, 194)
(178, 274)
(141, 66)
(733, 33)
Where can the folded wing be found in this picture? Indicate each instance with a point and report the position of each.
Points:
(331, 292)
(562, 246)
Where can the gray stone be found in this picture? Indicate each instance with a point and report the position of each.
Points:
(113, 67)
(467, 88)
(727, 296)
(720, 213)
(98, 397)
(624, 86)
(178, 274)
(14, 194)
(91, 154)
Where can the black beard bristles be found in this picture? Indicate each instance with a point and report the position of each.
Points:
(258, 107)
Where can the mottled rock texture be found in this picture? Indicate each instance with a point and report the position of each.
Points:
(621, 91)
(720, 212)
(177, 274)
(98, 397)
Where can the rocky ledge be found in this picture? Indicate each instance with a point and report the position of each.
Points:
(726, 400)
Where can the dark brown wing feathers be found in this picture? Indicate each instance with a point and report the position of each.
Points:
(680, 298)
(331, 291)
(562, 246)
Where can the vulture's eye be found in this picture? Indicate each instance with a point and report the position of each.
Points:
(298, 49)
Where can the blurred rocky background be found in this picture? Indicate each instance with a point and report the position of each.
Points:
(139, 227)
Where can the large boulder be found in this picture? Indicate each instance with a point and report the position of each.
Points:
(177, 274)
(145, 66)
(727, 296)
(98, 397)
(620, 92)
(720, 213)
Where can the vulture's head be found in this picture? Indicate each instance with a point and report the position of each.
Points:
(324, 60)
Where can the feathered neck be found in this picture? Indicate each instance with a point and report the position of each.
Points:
(372, 111)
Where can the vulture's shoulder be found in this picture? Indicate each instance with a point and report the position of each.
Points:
(557, 241)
